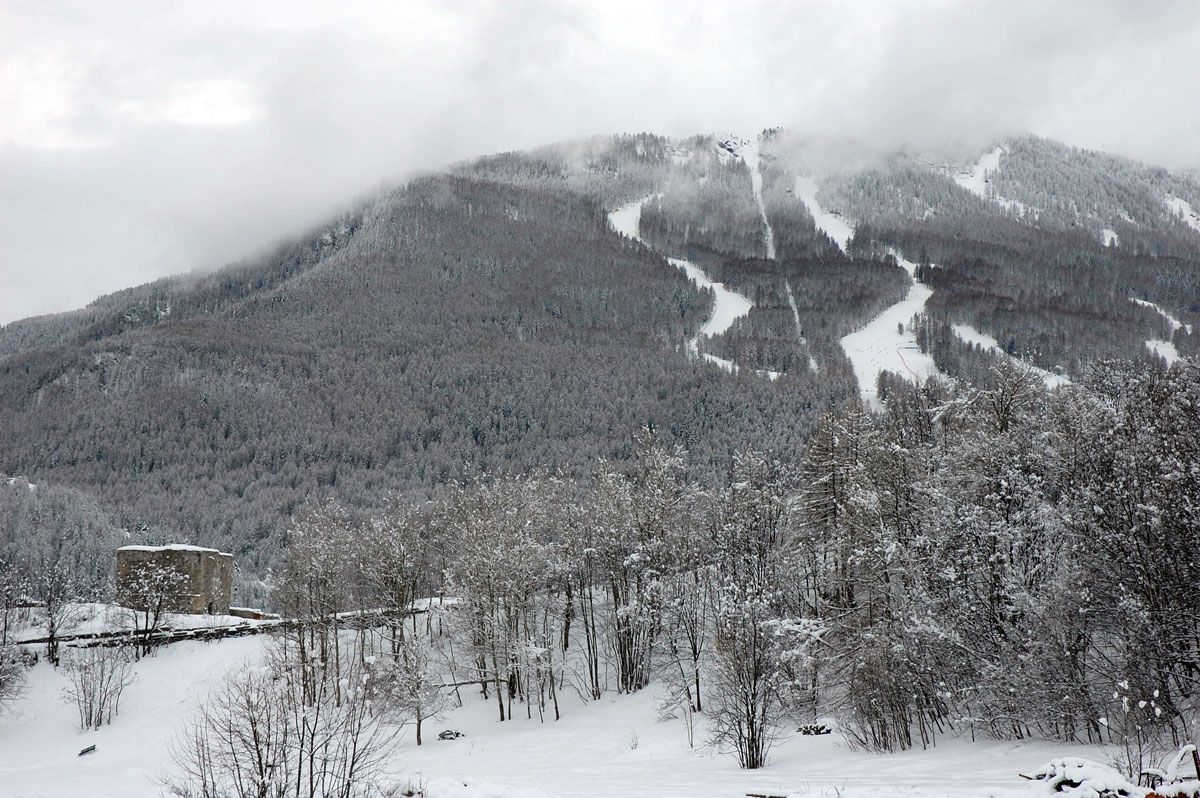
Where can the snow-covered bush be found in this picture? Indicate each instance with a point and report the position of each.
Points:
(1075, 777)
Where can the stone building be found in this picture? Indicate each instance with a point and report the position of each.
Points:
(204, 584)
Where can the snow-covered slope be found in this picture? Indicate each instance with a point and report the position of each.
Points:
(973, 336)
(728, 306)
(828, 222)
(882, 345)
(977, 180)
(749, 151)
(1184, 210)
(616, 746)
(40, 738)
(1164, 348)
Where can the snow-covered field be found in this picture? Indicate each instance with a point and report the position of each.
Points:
(887, 342)
(616, 746)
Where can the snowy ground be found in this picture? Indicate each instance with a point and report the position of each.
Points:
(973, 336)
(882, 345)
(40, 738)
(1184, 209)
(1164, 348)
(830, 223)
(613, 747)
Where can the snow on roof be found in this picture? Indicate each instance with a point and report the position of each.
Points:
(175, 547)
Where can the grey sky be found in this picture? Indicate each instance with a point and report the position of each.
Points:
(140, 139)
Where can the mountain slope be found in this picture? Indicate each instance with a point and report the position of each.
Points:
(488, 318)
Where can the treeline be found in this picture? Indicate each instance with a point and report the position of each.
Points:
(1003, 561)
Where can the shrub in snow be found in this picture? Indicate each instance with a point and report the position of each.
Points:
(12, 675)
(285, 730)
(97, 677)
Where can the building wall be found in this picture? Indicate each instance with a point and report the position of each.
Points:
(205, 588)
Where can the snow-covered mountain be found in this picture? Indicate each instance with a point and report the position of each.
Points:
(528, 309)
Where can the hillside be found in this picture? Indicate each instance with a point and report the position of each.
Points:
(489, 319)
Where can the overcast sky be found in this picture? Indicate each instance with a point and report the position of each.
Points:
(140, 139)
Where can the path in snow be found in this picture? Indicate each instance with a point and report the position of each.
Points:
(1181, 207)
(728, 306)
(883, 346)
(973, 336)
(1164, 348)
(830, 223)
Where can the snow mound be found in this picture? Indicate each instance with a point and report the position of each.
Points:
(1076, 777)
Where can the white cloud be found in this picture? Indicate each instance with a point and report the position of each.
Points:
(212, 102)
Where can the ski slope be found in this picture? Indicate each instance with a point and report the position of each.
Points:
(749, 152)
(970, 335)
(830, 223)
(977, 180)
(728, 305)
(617, 746)
(882, 346)
(1164, 348)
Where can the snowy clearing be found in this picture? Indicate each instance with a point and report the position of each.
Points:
(830, 223)
(1171, 320)
(1183, 209)
(977, 180)
(883, 346)
(971, 335)
(1110, 237)
(614, 746)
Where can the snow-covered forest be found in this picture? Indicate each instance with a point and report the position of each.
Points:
(998, 563)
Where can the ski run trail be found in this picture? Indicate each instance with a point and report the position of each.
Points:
(887, 342)
(728, 306)
(616, 746)
(1164, 348)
